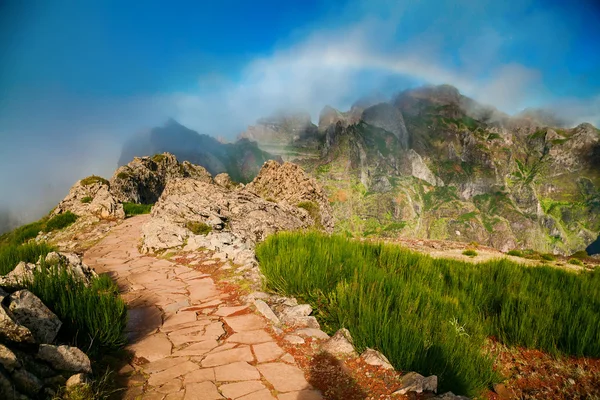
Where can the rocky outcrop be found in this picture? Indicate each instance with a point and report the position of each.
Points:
(30, 365)
(143, 179)
(91, 197)
(287, 183)
(414, 165)
(387, 117)
(244, 214)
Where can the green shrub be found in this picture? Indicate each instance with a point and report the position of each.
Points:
(581, 255)
(132, 209)
(313, 210)
(23, 233)
(158, 158)
(548, 257)
(90, 180)
(516, 253)
(60, 221)
(433, 315)
(576, 261)
(12, 254)
(199, 228)
(93, 317)
(123, 175)
(87, 199)
(469, 253)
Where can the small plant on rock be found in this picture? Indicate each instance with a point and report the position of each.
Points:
(60, 221)
(469, 253)
(87, 199)
(90, 180)
(199, 228)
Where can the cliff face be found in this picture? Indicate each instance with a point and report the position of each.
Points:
(441, 166)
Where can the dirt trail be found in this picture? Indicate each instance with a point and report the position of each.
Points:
(190, 339)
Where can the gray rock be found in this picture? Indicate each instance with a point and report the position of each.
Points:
(102, 206)
(340, 343)
(65, 358)
(28, 310)
(312, 332)
(27, 382)
(450, 396)
(414, 382)
(78, 379)
(8, 359)
(12, 331)
(293, 339)
(266, 311)
(373, 357)
(7, 389)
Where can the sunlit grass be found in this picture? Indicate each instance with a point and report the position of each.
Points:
(434, 315)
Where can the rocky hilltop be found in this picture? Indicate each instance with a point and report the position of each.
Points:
(435, 164)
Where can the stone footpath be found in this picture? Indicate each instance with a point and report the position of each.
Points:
(190, 339)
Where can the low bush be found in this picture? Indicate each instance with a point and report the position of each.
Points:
(313, 210)
(87, 199)
(576, 261)
(132, 209)
(431, 315)
(199, 228)
(90, 180)
(93, 316)
(469, 253)
(23, 233)
(12, 254)
(60, 221)
(123, 175)
(516, 253)
(548, 257)
(581, 255)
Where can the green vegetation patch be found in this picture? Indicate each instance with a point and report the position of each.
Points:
(469, 253)
(87, 199)
(158, 158)
(93, 316)
(123, 175)
(90, 180)
(199, 228)
(12, 254)
(434, 315)
(576, 261)
(23, 233)
(313, 210)
(60, 221)
(132, 209)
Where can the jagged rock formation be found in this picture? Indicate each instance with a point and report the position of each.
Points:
(289, 184)
(143, 180)
(186, 204)
(241, 160)
(91, 197)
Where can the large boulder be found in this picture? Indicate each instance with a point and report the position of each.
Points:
(65, 358)
(143, 179)
(10, 330)
(288, 183)
(91, 197)
(188, 203)
(28, 310)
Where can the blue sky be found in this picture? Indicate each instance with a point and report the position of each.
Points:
(77, 77)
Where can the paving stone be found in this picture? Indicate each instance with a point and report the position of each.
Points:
(153, 396)
(202, 391)
(162, 364)
(228, 356)
(293, 339)
(227, 311)
(160, 378)
(215, 330)
(200, 375)
(175, 396)
(260, 395)
(312, 332)
(283, 377)
(170, 387)
(288, 358)
(267, 352)
(237, 371)
(239, 389)
(251, 337)
(301, 395)
(246, 322)
(224, 347)
(180, 318)
(196, 349)
(153, 347)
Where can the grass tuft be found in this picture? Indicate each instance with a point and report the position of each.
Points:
(199, 228)
(469, 253)
(431, 315)
(313, 210)
(576, 261)
(87, 199)
(90, 180)
(12, 254)
(516, 253)
(60, 221)
(132, 209)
